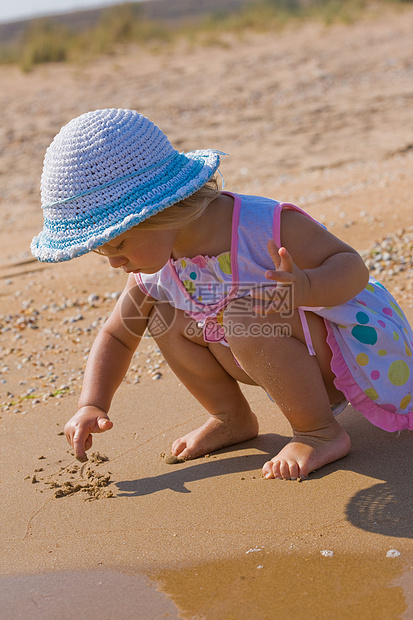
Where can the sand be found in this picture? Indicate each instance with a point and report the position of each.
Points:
(317, 116)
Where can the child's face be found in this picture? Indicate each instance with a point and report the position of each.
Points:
(135, 251)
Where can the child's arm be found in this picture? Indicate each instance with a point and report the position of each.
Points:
(323, 270)
(108, 362)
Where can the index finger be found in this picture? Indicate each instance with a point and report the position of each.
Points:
(79, 442)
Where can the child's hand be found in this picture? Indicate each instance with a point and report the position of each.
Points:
(291, 283)
(79, 429)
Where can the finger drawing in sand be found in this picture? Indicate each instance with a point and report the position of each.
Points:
(234, 289)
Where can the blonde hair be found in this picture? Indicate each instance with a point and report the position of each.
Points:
(184, 211)
(179, 214)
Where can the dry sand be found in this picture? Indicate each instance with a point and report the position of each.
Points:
(321, 117)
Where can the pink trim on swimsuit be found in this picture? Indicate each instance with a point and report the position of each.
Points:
(344, 381)
(141, 284)
(306, 330)
(234, 266)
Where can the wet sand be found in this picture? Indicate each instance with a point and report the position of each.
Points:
(320, 117)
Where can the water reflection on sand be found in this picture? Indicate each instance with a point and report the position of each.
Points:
(264, 586)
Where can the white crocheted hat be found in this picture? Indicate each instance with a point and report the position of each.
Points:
(106, 171)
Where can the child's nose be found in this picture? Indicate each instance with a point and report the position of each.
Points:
(117, 261)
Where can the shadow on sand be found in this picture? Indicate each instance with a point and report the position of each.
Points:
(385, 508)
(182, 473)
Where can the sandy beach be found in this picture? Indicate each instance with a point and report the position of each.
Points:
(318, 116)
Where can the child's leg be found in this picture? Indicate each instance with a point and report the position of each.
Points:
(210, 373)
(300, 384)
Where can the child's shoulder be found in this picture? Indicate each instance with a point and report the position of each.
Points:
(256, 211)
(256, 202)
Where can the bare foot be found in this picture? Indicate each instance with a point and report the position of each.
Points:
(307, 452)
(219, 431)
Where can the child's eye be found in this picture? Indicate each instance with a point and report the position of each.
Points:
(120, 246)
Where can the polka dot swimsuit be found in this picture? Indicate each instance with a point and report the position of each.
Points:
(201, 274)
(369, 336)
(372, 345)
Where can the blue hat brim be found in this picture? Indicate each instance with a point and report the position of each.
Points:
(63, 239)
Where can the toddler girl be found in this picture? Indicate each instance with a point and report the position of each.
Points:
(234, 289)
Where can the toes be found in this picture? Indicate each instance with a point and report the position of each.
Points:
(271, 469)
(181, 451)
(185, 455)
(172, 459)
(282, 469)
(289, 469)
(267, 470)
(178, 446)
